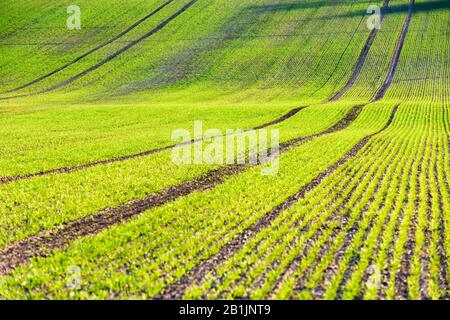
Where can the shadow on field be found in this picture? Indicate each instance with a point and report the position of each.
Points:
(393, 9)
(192, 58)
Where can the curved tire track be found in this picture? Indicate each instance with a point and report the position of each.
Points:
(361, 59)
(196, 275)
(65, 170)
(100, 46)
(44, 242)
(109, 58)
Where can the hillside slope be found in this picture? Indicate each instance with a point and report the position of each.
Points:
(359, 207)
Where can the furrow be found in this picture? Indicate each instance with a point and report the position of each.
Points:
(41, 244)
(104, 44)
(361, 59)
(398, 49)
(176, 290)
(66, 170)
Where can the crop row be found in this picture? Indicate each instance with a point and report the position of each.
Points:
(37, 140)
(335, 242)
(424, 65)
(143, 256)
(30, 206)
(378, 61)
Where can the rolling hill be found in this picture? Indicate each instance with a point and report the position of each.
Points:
(358, 209)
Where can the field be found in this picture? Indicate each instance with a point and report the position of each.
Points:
(93, 205)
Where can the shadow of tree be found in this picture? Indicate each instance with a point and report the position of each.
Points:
(393, 9)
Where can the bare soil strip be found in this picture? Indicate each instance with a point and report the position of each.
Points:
(288, 115)
(104, 44)
(195, 276)
(361, 59)
(425, 255)
(294, 264)
(65, 170)
(44, 242)
(444, 284)
(340, 125)
(398, 49)
(111, 57)
(401, 279)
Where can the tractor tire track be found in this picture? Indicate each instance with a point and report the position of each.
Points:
(398, 49)
(111, 57)
(196, 275)
(100, 46)
(362, 58)
(401, 277)
(343, 220)
(66, 170)
(44, 242)
(443, 279)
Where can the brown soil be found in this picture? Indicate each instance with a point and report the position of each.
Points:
(120, 35)
(41, 244)
(65, 170)
(58, 237)
(361, 59)
(176, 290)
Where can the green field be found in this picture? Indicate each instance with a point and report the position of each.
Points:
(93, 206)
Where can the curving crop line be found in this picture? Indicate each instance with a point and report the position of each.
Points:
(396, 56)
(120, 35)
(361, 61)
(111, 57)
(196, 275)
(44, 242)
(362, 58)
(65, 170)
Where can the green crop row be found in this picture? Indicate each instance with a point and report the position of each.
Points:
(424, 65)
(30, 206)
(329, 247)
(141, 257)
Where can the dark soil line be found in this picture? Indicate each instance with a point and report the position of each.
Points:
(349, 117)
(42, 243)
(340, 251)
(176, 290)
(401, 279)
(288, 115)
(398, 49)
(361, 59)
(424, 258)
(120, 35)
(111, 57)
(293, 266)
(65, 170)
(443, 277)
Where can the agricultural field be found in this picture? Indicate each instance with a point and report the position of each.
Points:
(212, 149)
